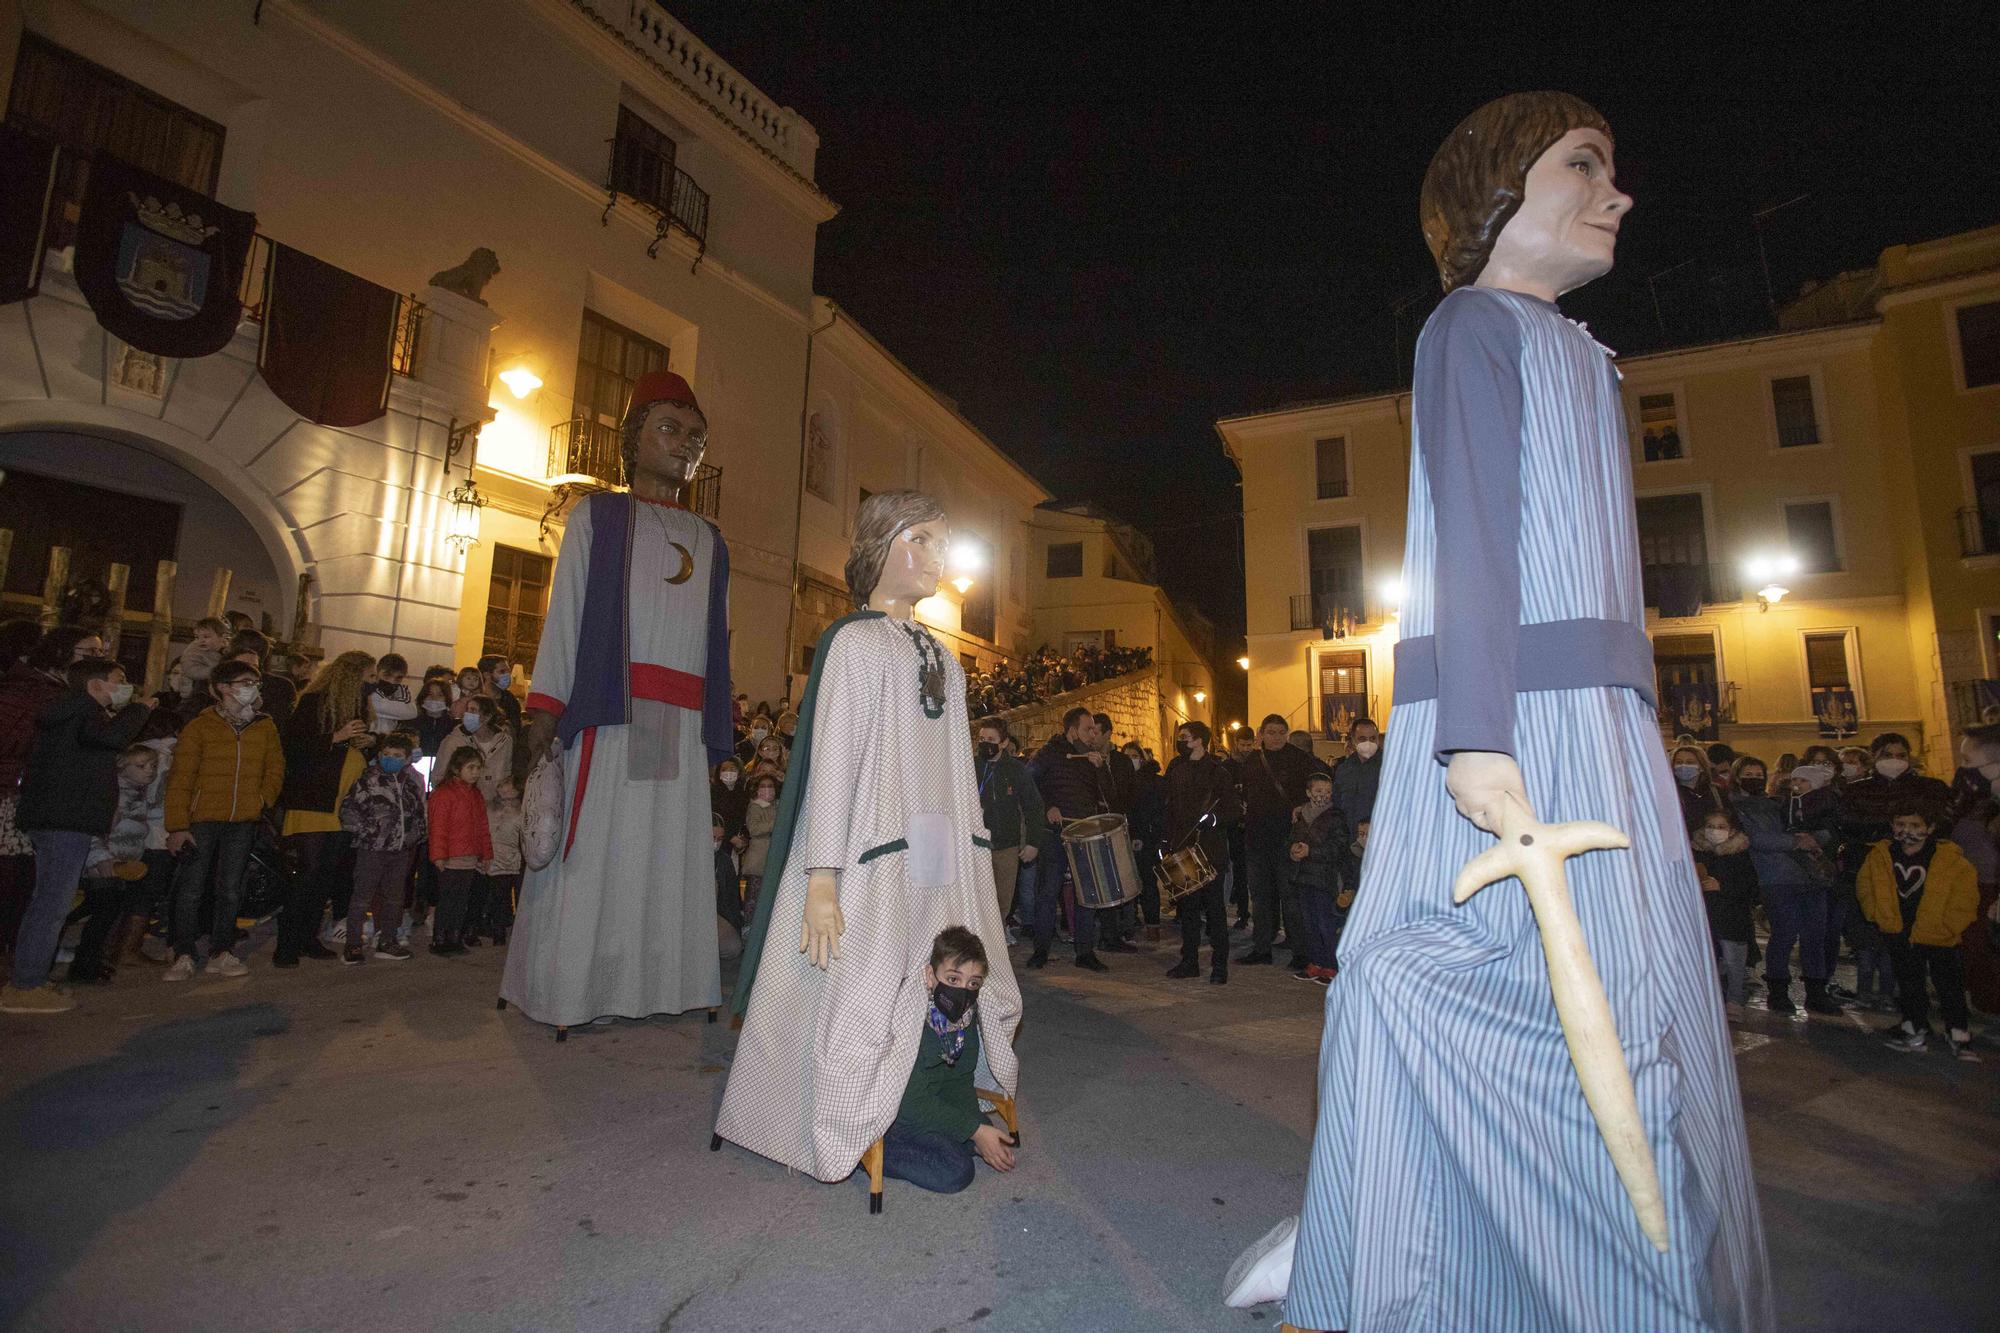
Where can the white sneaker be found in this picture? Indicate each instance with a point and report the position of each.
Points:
(1263, 1273)
(182, 970)
(226, 964)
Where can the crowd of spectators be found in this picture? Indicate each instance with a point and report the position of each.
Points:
(333, 798)
(1045, 673)
(1853, 845)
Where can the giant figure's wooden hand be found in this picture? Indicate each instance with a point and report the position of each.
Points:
(819, 933)
(1535, 852)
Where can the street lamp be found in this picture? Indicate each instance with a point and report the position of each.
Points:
(463, 530)
(520, 379)
(1769, 570)
(1244, 661)
(1201, 696)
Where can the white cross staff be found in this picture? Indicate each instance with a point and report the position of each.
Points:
(1534, 852)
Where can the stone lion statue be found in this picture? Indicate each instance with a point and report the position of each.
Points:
(470, 278)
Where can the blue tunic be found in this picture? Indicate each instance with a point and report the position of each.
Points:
(1458, 1180)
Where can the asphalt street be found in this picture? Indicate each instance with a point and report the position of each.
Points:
(377, 1148)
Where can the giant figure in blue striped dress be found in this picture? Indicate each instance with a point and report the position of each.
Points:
(1458, 1180)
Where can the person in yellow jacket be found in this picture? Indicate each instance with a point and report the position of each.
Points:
(1922, 893)
(229, 765)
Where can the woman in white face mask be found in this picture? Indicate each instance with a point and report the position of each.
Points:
(1697, 794)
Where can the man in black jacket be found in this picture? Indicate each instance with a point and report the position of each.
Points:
(1069, 771)
(1274, 785)
(69, 795)
(1201, 793)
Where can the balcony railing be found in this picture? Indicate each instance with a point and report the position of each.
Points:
(409, 310)
(1333, 616)
(1714, 583)
(677, 201)
(584, 456)
(1978, 532)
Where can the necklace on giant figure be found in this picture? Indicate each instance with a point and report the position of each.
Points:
(930, 667)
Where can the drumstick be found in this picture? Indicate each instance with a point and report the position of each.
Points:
(1534, 852)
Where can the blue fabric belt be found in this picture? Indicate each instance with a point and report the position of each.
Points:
(1553, 655)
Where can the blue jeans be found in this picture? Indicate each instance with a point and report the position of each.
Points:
(1798, 916)
(926, 1159)
(1054, 868)
(222, 850)
(59, 857)
(1321, 920)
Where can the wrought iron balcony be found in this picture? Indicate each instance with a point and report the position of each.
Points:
(1332, 615)
(585, 456)
(642, 168)
(1978, 531)
(410, 311)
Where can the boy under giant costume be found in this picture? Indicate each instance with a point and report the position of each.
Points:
(1459, 1178)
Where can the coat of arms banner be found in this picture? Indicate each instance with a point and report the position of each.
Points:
(160, 265)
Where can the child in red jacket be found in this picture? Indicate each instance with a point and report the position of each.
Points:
(460, 844)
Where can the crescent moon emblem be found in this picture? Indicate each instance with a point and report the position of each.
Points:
(687, 565)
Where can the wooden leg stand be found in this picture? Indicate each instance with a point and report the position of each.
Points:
(500, 1003)
(871, 1162)
(1005, 1106)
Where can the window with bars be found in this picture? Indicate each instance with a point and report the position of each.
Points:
(1979, 343)
(86, 109)
(609, 360)
(1810, 532)
(1330, 467)
(1673, 550)
(1792, 402)
(517, 601)
(1826, 661)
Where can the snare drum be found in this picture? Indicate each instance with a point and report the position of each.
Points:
(1100, 861)
(1185, 871)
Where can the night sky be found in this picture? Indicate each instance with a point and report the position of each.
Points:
(1100, 228)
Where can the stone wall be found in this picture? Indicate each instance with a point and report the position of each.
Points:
(1132, 701)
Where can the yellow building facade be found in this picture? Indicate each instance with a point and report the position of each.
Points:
(1819, 511)
(1090, 578)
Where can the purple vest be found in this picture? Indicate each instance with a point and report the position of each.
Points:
(601, 695)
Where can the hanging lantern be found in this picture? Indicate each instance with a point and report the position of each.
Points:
(463, 531)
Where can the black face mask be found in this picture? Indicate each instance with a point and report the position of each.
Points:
(1183, 748)
(1751, 786)
(988, 751)
(954, 1002)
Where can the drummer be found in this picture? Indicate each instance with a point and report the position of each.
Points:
(1201, 798)
(1070, 772)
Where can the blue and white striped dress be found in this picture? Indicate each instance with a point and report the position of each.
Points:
(1458, 1180)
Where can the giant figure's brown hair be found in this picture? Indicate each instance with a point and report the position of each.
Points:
(876, 524)
(1479, 174)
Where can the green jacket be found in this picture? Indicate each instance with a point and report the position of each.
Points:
(1013, 808)
(939, 1098)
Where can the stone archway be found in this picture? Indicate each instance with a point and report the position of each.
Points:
(225, 523)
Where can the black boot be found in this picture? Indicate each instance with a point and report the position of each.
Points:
(1818, 1001)
(1039, 958)
(1779, 997)
(1187, 967)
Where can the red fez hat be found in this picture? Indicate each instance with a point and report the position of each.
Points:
(661, 386)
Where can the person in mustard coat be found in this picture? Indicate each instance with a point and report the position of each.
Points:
(1922, 893)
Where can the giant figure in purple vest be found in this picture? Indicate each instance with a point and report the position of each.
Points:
(633, 678)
